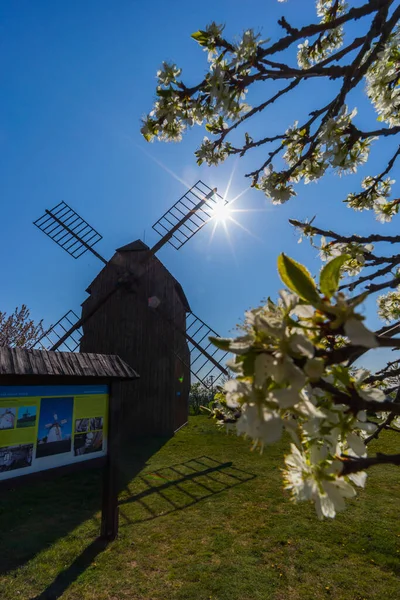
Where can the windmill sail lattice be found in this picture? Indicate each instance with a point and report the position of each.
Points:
(193, 210)
(201, 365)
(51, 336)
(67, 229)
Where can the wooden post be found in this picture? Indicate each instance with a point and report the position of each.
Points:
(109, 515)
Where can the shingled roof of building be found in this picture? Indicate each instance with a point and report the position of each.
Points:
(21, 361)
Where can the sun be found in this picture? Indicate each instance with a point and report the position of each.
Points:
(220, 212)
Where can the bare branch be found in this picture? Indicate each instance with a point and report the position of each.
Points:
(393, 262)
(309, 30)
(380, 428)
(255, 110)
(354, 465)
(359, 239)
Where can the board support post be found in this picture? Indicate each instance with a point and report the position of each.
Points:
(110, 511)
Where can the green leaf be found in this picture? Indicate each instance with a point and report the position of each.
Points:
(201, 37)
(222, 343)
(248, 364)
(298, 279)
(330, 275)
(164, 93)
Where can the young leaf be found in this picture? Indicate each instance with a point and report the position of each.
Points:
(222, 343)
(164, 93)
(330, 275)
(298, 279)
(201, 37)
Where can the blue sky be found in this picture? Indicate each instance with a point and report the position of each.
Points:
(76, 77)
(62, 407)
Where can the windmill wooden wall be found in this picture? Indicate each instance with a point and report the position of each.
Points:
(125, 325)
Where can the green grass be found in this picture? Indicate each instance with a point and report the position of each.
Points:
(204, 519)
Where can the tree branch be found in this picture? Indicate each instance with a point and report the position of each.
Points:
(355, 402)
(380, 273)
(378, 430)
(362, 239)
(353, 465)
(309, 30)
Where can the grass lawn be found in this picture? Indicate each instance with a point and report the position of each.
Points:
(203, 519)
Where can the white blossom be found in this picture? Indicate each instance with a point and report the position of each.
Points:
(383, 85)
(168, 74)
(262, 425)
(314, 368)
(359, 478)
(340, 150)
(357, 252)
(376, 190)
(384, 210)
(275, 187)
(246, 49)
(211, 154)
(359, 335)
(367, 392)
(236, 390)
(389, 306)
(312, 475)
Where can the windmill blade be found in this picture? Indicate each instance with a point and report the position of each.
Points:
(49, 425)
(67, 229)
(55, 332)
(78, 324)
(187, 216)
(63, 421)
(206, 360)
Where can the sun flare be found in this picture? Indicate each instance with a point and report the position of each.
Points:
(220, 212)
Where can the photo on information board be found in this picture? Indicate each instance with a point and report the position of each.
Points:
(55, 426)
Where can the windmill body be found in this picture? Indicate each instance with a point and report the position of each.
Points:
(140, 322)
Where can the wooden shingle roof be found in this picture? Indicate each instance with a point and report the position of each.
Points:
(21, 361)
(136, 246)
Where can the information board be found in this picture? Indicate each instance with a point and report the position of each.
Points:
(43, 427)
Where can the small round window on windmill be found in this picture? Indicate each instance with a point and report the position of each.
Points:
(154, 302)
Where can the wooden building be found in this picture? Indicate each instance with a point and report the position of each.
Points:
(142, 322)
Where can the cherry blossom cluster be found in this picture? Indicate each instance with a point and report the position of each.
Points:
(356, 254)
(335, 146)
(375, 194)
(311, 54)
(383, 82)
(287, 379)
(389, 306)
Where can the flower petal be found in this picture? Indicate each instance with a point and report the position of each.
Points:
(359, 335)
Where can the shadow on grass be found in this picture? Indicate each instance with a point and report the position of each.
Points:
(33, 517)
(64, 579)
(179, 486)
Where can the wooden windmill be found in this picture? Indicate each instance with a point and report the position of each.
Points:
(138, 310)
(54, 433)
